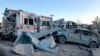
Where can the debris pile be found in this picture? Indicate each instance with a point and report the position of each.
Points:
(26, 42)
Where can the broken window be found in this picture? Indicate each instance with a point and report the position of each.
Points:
(30, 21)
(45, 23)
(86, 33)
(48, 24)
(76, 31)
(8, 18)
(35, 19)
(26, 21)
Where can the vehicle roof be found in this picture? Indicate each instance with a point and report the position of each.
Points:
(83, 29)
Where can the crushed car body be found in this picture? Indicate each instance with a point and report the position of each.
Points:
(79, 35)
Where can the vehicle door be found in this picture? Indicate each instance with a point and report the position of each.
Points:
(75, 35)
(86, 37)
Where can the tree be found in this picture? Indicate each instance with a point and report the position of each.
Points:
(96, 22)
(78, 21)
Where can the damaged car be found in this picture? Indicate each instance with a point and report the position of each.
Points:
(78, 35)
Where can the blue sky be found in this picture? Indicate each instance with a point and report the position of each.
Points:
(84, 10)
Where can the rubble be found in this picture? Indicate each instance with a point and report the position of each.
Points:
(64, 50)
(48, 44)
(2, 52)
(24, 49)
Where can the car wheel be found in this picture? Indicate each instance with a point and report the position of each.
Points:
(61, 39)
(93, 45)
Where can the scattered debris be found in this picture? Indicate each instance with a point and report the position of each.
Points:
(68, 50)
(47, 44)
(2, 52)
(24, 49)
(96, 52)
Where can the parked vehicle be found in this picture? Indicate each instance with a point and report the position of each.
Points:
(79, 35)
(65, 24)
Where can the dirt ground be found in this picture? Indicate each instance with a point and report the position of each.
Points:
(64, 50)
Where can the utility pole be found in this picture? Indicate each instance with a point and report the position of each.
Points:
(51, 20)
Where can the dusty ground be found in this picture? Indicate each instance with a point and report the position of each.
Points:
(64, 50)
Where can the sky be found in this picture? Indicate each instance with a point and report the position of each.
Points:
(72, 10)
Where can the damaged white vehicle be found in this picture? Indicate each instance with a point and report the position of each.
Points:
(79, 35)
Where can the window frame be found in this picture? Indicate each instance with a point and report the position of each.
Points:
(78, 31)
(26, 21)
(45, 23)
(31, 21)
(86, 33)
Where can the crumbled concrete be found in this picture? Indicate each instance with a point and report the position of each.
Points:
(64, 50)
(96, 52)
(71, 50)
(24, 49)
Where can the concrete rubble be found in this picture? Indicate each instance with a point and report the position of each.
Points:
(96, 52)
(24, 49)
(26, 41)
(64, 50)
